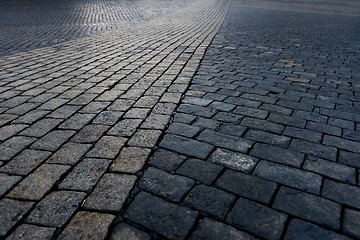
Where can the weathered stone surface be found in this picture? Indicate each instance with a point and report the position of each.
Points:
(341, 143)
(13, 146)
(266, 137)
(11, 212)
(144, 138)
(126, 231)
(56, 208)
(90, 133)
(166, 160)
(256, 218)
(299, 230)
(247, 186)
(210, 200)
(10, 130)
(318, 150)
(289, 176)
(186, 146)
(349, 158)
(37, 184)
(69, 154)
(309, 207)
(53, 140)
(85, 175)
(161, 183)
(26, 231)
(233, 160)
(87, 225)
(352, 223)
(41, 127)
(342, 193)
(108, 195)
(161, 216)
(210, 229)
(7, 182)
(183, 129)
(108, 117)
(107, 147)
(125, 127)
(130, 160)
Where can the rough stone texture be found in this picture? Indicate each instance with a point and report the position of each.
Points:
(309, 207)
(166, 160)
(342, 193)
(144, 138)
(233, 160)
(247, 186)
(27, 231)
(53, 140)
(352, 223)
(7, 182)
(163, 184)
(210, 200)
(56, 208)
(11, 212)
(108, 195)
(70, 153)
(90, 134)
(210, 229)
(299, 230)
(13, 146)
(107, 147)
(87, 225)
(126, 231)
(130, 160)
(256, 218)
(161, 216)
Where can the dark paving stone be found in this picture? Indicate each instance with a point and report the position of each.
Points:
(267, 137)
(349, 158)
(279, 155)
(183, 129)
(196, 110)
(233, 160)
(303, 134)
(90, 133)
(144, 138)
(126, 231)
(200, 170)
(125, 127)
(53, 140)
(247, 186)
(8, 182)
(70, 153)
(210, 229)
(13, 146)
(309, 207)
(351, 223)
(342, 193)
(10, 130)
(318, 150)
(262, 125)
(86, 225)
(56, 208)
(341, 143)
(231, 129)
(107, 147)
(26, 231)
(166, 160)
(299, 230)
(210, 200)
(161, 216)
(289, 176)
(130, 160)
(11, 212)
(166, 185)
(186, 146)
(256, 218)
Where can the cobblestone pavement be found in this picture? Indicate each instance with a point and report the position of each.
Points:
(263, 140)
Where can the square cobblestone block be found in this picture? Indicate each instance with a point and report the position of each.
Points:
(125, 127)
(130, 160)
(77, 121)
(26, 231)
(12, 211)
(166, 160)
(144, 138)
(126, 231)
(90, 133)
(289, 176)
(247, 186)
(108, 117)
(108, 196)
(107, 147)
(256, 218)
(13, 146)
(56, 208)
(161, 183)
(161, 216)
(156, 121)
(210, 200)
(69, 154)
(87, 225)
(233, 160)
(309, 207)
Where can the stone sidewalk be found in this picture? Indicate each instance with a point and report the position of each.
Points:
(206, 119)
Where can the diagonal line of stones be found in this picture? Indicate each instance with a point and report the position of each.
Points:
(131, 64)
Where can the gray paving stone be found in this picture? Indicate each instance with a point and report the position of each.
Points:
(196, 110)
(107, 147)
(85, 175)
(53, 140)
(342, 193)
(87, 225)
(108, 196)
(8, 182)
(210, 229)
(69, 154)
(279, 155)
(41, 127)
(121, 105)
(210, 200)
(31, 116)
(56, 208)
(77, 121)
(140, 113)
(341, 143)
(349, 158)
(144, 138)
(166, 185)
(262, 125)
(251, 112)
(186, 146)
(233, 160)
(25, 162)
(12, 211)
(323, 128)
(64, 112)
(90, 133)
(303, 134)
(267, 137)
(299, 230)
(183, 129)
(231, 129)
(318, 150)
(26, 231)
(289, 176)
(130, 160)
(183, 118)
(351, 223)
(161, 216)
(256, 218)
(126, 231)
(206, 123)
(247, 186)
(225, 141)
(37, 184)
(309, 207)
(10, 130)
(13, 146)
(166, 160)
(156, 121)
(200, 170)
(332, 170)
(108, 117)
(125, 127)
(351, 134)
